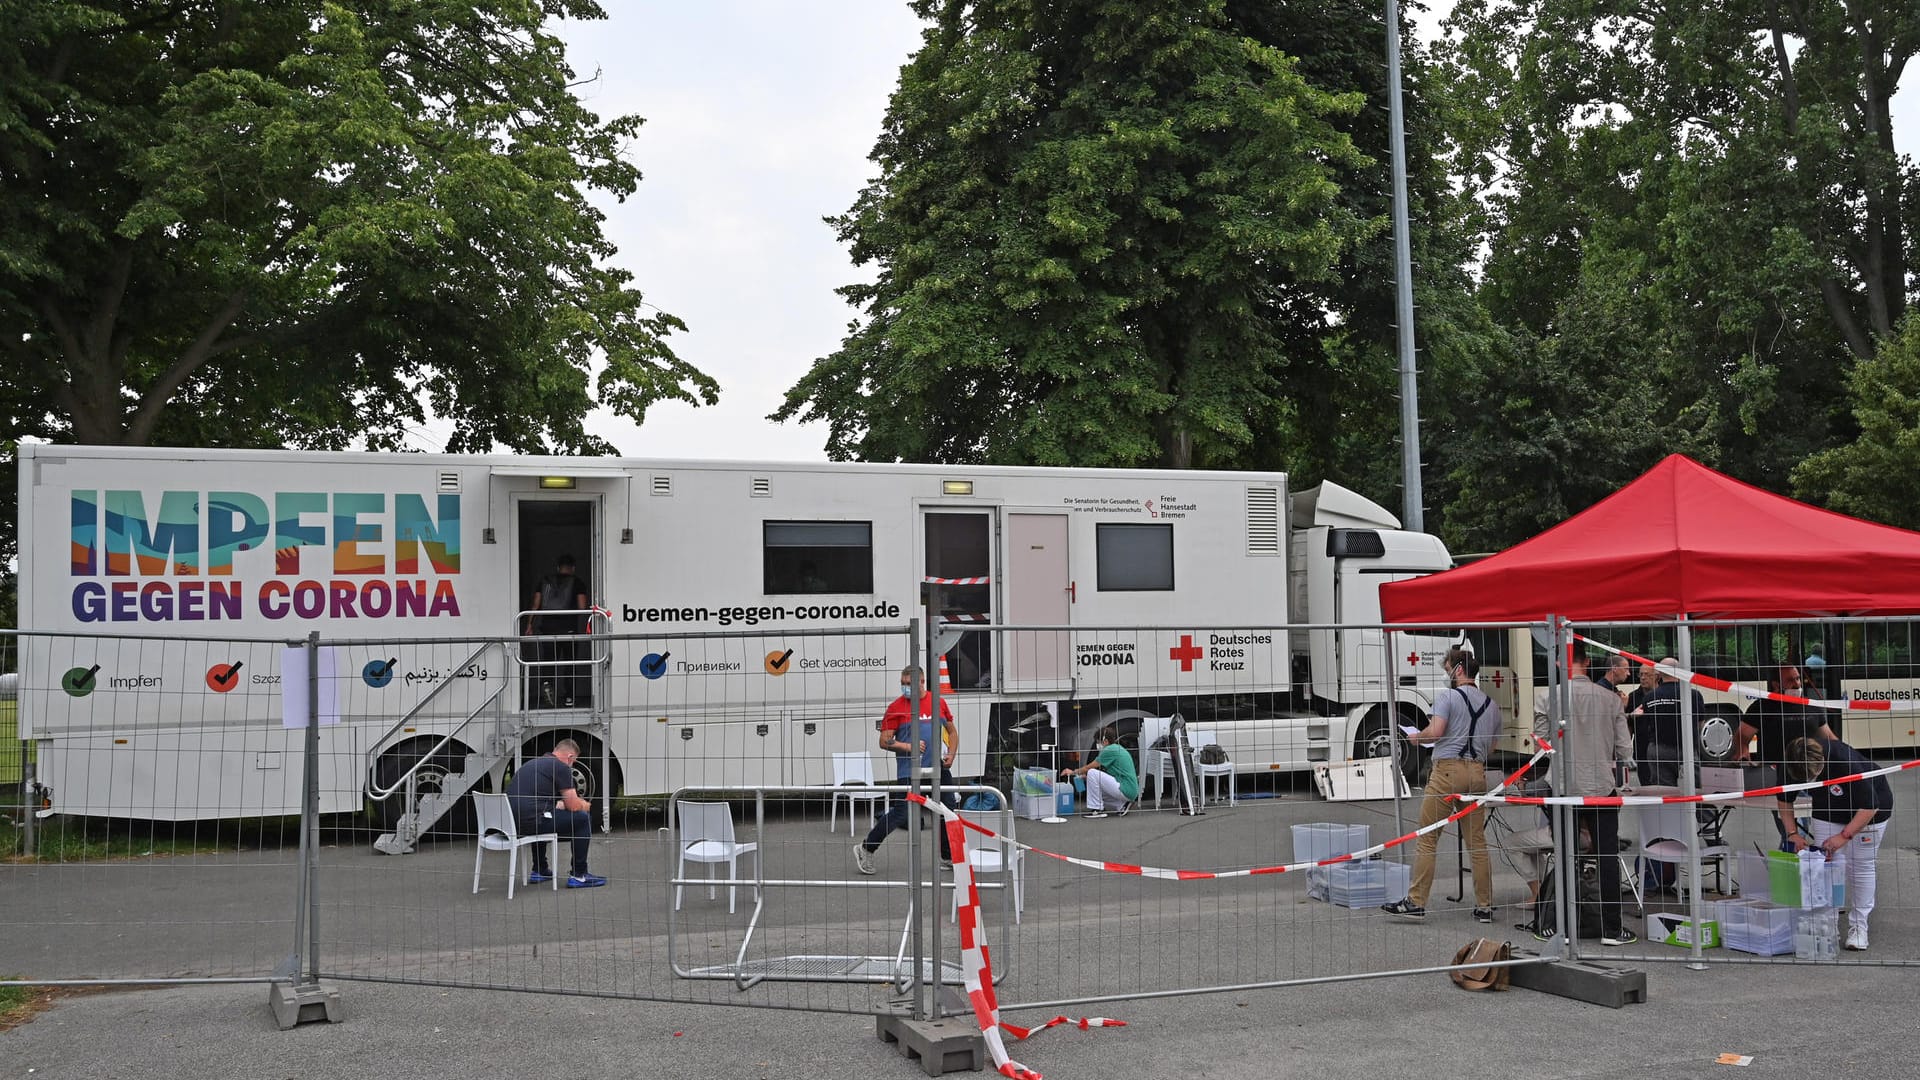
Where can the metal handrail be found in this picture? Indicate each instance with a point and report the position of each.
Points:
(381, 796)
(603, 658)
(374, 750)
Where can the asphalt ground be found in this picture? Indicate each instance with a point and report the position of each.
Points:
(1083, 934)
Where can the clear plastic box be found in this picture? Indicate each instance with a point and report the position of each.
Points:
(1322, 840)
(1360, 884)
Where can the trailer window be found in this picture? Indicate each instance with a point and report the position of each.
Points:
(818, 557)
(1134, 558)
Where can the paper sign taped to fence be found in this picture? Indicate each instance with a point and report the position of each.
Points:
(293, 688)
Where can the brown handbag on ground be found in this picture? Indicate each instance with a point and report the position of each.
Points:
(1474, 965)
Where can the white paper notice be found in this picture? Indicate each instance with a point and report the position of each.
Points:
(293, 688)
(1409, 729)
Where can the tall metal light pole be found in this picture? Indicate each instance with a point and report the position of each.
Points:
(1412, 517)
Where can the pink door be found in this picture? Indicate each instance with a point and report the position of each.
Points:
(1039, 592)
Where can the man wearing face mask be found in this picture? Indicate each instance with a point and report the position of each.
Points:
(912, 740)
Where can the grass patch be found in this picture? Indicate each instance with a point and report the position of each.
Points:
(13, 753)
(21, 1004)
(75, 839)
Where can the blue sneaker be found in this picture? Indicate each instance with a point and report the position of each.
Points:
(536, 877)
(587, 881)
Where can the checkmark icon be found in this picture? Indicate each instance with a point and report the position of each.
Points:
(79, 681)
(654, 665)
(777, 662)
(379, 673)
(224, 677)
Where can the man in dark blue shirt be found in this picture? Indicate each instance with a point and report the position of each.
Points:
(545, 799)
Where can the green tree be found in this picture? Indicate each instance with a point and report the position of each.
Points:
(1691, 217)
(1105, 233)
(305, 222)
(1877, 475)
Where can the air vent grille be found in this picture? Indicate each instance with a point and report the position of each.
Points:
(1263, 521)
(450, 481)
(661, 485)
(762, 487)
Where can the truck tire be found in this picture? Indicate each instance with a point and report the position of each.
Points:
(1374, 740)
(586, 770)
(432, 777)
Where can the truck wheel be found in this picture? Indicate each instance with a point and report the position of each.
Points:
(1375, 740)
(431, 778)
(586, 770)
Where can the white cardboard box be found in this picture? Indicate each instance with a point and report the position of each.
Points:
(1356, 781)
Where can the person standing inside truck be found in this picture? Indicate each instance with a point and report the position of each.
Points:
(563, 591)
(912, 739)
(1461, 730)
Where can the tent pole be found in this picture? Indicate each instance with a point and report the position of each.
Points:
(1683, 634)
(1564, 864)
(1394, 735)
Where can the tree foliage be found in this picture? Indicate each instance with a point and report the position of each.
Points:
(1877, 475)
(1119, 233)
(1693, 223)
(304, 222)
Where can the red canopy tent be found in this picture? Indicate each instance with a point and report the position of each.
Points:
(1680, 540)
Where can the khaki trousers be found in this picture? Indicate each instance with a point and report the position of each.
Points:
(1453, 776)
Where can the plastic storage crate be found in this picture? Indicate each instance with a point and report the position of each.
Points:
(1033, 807)
(1360, 884)
(1756, 926)
(1322, 840)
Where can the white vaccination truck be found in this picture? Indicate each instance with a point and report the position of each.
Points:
(753, 618)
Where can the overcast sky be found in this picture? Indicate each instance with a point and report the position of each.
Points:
(760, 114)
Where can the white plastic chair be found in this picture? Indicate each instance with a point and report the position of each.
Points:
(852, 781)
(987, 855)
(1200, 739)
(1663, 838)
(497, 833)
(1157, 764)
(706, 836)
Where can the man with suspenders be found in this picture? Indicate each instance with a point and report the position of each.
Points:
(1462, 729)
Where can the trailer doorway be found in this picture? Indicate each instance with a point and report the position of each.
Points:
(548, 530)
(959, 547)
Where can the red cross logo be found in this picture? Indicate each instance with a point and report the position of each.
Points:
(1499, 680)
(1413, 659)
(1186, 652)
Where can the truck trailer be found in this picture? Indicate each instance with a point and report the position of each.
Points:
(747, 619)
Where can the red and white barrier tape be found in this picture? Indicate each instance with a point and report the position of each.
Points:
(1661, 800)
(1756, 694)
(957, 580)
(1168, 874)
(976, 966)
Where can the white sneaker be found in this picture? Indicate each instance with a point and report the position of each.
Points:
(863, 859)
(1857, 937)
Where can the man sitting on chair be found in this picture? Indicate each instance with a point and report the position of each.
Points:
(545, 800)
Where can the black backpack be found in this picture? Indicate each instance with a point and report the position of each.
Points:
(1546, 914)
